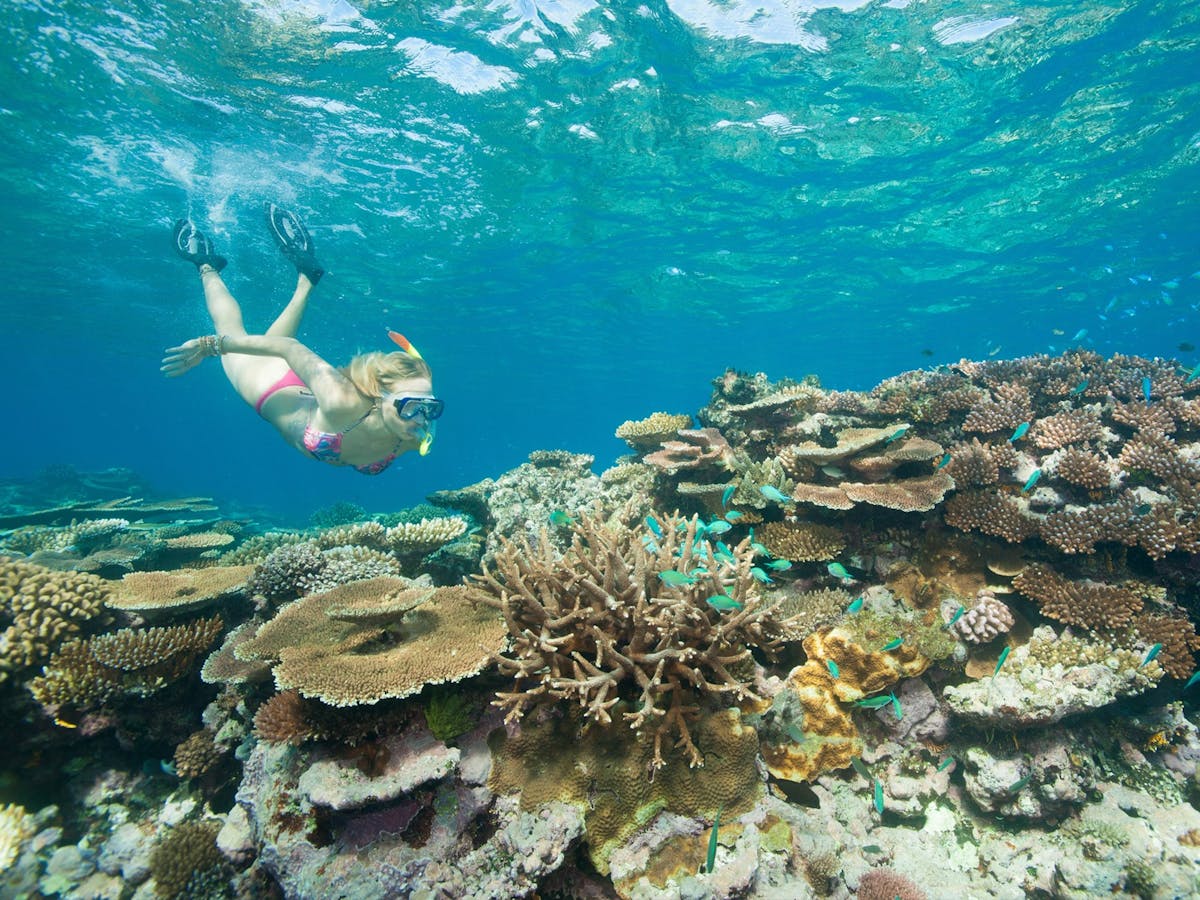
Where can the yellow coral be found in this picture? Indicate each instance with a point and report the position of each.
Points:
(16, 827)
(652, 430)
(178, 590)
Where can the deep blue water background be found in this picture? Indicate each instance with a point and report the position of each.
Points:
(581, 213)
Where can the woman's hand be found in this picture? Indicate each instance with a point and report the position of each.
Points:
(187, 356)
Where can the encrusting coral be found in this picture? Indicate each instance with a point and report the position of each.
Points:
(643, 623)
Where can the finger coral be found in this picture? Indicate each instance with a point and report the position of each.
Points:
(643, 623)
(984, 621)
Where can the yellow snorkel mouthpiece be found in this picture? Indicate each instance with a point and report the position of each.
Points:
(428, 433)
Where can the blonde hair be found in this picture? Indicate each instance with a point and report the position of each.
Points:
(369, 372)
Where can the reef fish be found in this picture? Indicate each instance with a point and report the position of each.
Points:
(896, 707)
(1195, 374)
(1000, 661)
(652, 524)
(879, 796)
(1020, 783)
(1079, 388)
(1031, 481)
(712, 844)
(1019, 432)
(874, 702)
(1151, 654)
(558, 517)
(946, 763)
(897, 434)
(1080, 334)
(717, 526)
(759, 575)
(1146, 389)
(860, 767)
(855, 605)
(944, 461)
(958, 614)
(727, 495)
(833, 668)
(723, 603)
(733, 515)
(837, 570)
(779, 565)
(1195, 677)
(892, 645)
(675, 579)
(773, 493)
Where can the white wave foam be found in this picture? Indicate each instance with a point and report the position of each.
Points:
(964, 29)
(462, 71)
(762, 21)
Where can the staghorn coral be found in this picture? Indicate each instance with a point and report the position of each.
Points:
(802, 541)
(697, 448)
(984, 621)
(652, 430)
(199, 541)
(600, 628)
(1155, 419)
(39, 609)
(990, 513)
(423, 536)
(254, 550)
(176, 591)
(187, 862)
(349, 662)
(92, 671)
(354, 534)
(223, 667)
(197, 755)
(1089, 604)
(1009, 406)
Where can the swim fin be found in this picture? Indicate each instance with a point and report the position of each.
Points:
(194, 246)
(294, 241)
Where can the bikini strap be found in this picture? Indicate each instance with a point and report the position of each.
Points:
(360, 419)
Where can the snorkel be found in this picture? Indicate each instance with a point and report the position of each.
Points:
(429, 430)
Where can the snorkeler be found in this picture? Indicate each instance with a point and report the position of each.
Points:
(362, 415)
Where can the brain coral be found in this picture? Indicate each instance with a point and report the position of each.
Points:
(39, 609)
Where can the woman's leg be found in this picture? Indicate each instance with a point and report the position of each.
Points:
(250, 376)
(287, 324)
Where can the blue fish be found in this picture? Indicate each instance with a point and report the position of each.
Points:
(1146, 389)
(759, 575)
(1151, 654)
(779, 565)
(773, 493)
(874, 702)
(878, 796)
(760, 549)
(1019, 432)
(723, 553)
(1000, 661)
(946, 763)
(648, 543)
(675, 579)
(896, 435)
(652, 524)
(1195, 677)
(896, 707)
(733, 515)
(718, 526)
(727, 495)
(795, 733)
(944, 461)
(837, 570)
(1195, 374)
(861, 768)
(1080, 334)
(558, 517)
(1079, 388)
(1033, 479)
(958, 614)
(855, 605)
(892, 645)
(1019, 783)
(833, 668)
(722, 603)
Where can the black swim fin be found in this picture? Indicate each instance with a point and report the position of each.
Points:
(294, 241)
(194, 246)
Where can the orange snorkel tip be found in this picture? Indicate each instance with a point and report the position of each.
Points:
(404, 344)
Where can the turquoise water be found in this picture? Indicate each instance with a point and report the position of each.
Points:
(580, 212)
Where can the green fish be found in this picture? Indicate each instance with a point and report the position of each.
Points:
(1195, 374)
(891, 645)
(1150, 655)
(1195, 677)
(733, 515)
(837, 570)
(558, 517)
(759, 575)
(944, 461)
(723, 603)
(897, 434)
(1019, 432)
(879, 796)
(652, 524)
(717, 526)
(1033, 479)
(760, 549)
(773, 493)
(712, 844)
(874, 702)
(896, 707)
(1142, 509)
(1146, 389)
(1079, 388)
(671, 578)
(727, 495)
(1000, 661)
(855, 605)
(1019, 783)
(872, 848)
(958, 614)
(833, 668)
(779, 565)
(795, 733)
(946, 763)
(723, 553)
(860, 767)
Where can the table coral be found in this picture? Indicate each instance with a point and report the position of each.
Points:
(598, 626)
(652, 430)
(177, 590)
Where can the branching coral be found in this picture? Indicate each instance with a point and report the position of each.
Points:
(1070, 426)
(1083, 468)
(624, 617)
(802, 541)
(1089, 604)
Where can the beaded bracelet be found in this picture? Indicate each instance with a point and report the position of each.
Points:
(212, 345)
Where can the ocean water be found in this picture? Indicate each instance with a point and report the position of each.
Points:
(580, 212)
